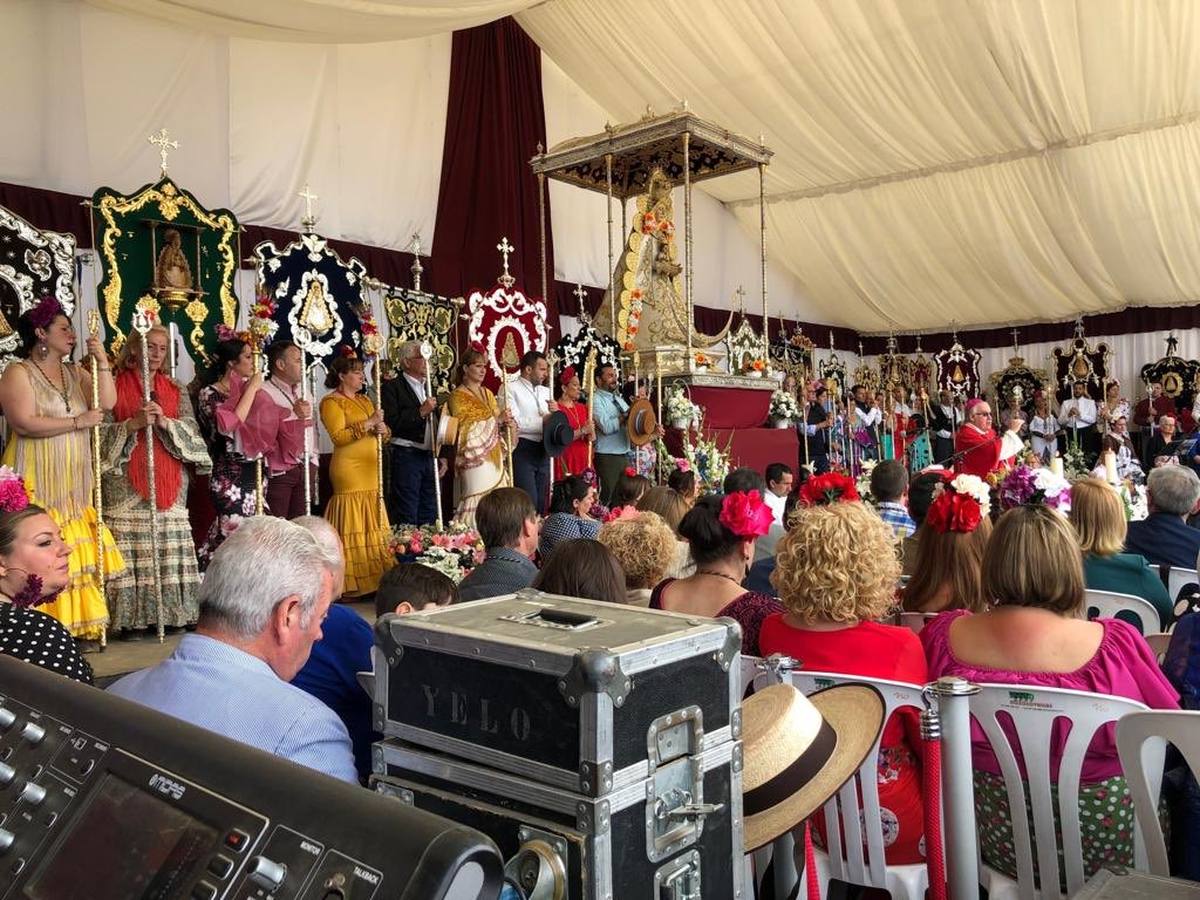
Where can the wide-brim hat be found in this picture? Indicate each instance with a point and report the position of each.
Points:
(641, 424)
(447, 431)
(798, 751)
(557, 433)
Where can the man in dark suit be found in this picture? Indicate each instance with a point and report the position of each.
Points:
(1165, 538)
(508, 525)
(408, 412)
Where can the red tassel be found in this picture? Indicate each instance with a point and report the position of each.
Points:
(935, 861)
(810, 865)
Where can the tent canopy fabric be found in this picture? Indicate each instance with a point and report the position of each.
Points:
(935, 161)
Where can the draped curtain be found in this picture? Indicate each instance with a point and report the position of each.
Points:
(495, 121)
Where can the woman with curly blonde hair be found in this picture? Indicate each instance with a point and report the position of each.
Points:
(835, 574)
(644, 545)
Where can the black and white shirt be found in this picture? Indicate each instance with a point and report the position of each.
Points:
(35, 637)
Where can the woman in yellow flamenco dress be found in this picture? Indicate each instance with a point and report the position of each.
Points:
(354, 509)
(479, 462)
(46, 404)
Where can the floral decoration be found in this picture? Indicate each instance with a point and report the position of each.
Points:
(754, 365)
(41, 315)
(827, 489)
(703, 359)
(680, 406)
(31, 593)
(225, 333)
(746, 514)
(784, 405)
(975, 487)
(620, 512)
(454, 551)
(952, 511)
(13, 495)
(1026, 485)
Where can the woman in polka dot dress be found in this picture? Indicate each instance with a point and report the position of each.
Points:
(34, 568)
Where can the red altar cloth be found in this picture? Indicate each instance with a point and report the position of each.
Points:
(730, 407)
(755, 448)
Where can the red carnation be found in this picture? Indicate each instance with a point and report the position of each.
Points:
(827, 489)
(954, 512)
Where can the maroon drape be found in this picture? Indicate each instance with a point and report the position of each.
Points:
(494, 122)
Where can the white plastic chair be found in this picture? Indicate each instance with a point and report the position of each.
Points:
(1033, 713)
(1178, 579)
(1141, 734)
(1106, 605)
(847, 862)
(1159, 643)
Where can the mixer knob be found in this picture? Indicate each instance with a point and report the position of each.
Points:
(6, 839)
(7, 774)
(32, 794)
(7, 717)
(266, 872)
(33, 733)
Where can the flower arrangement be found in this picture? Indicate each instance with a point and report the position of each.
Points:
(453, 551)
(784, 405)
(680, 407)
(959, 505)
(1074, 462)
(754, 366)
(709, 461)
(262, 325)
(703, 361)
(827, 489)
(862, 484)
(1025, 485)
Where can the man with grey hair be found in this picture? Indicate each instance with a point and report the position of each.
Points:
(408, 412)
(262, 603)
(1165, 538)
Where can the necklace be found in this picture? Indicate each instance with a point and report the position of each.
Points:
(719, 575)
(63, 391)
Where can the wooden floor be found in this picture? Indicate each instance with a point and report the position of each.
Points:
(122, 657)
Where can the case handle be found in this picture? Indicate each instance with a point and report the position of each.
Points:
(549, 617)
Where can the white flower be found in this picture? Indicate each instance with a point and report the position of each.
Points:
(975, 487)
(679, 406)
(784, 406)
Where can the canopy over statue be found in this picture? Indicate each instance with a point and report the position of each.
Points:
(650, 298)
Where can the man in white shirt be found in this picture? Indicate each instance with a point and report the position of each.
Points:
(900, 401)
(285, 489)
(530, 403)
(1078, 416)
(866, 421)
(779, 485)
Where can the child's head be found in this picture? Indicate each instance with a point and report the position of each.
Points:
(412, 587)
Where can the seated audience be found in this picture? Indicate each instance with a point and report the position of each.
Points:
(571, 503)
(1099, 519)
(722, 531)
(1163, 447)
(835, 575)
(779, 487)
(742, 480)
(672, 506)
(34, 568)
(685, 482)
(920, 495)
(950, 552)
(1035, 636)
(889, 481)
(582, 568)
(644, 547)
(629, 489)
(1164, 537)
(262, 602)
(508, 526)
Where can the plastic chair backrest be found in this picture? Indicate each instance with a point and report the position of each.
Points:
(1178, 579)
(1141, 734)
(1159, 642)
(1106, 605)
(1034, 712)
(846, 859)
(752, 666)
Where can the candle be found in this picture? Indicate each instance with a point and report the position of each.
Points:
(1110, 467)
(1056, 466)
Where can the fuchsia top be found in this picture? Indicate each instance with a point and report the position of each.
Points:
(268, 431)
(1124, 666)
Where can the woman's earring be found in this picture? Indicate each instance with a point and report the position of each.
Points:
(44, 351)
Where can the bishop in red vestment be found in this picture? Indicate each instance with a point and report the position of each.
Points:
(980, 450)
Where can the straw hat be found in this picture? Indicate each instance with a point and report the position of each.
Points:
(641, 426)
(798, 751)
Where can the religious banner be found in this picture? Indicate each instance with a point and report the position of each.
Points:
(1079, 361)
(316, 294)
(573, 350)
(921, 370)
(494, 315)
(958, 370)
(833, 372)
(865, 374)
(1178, 376)
(1017, 379)
(745, 349)
(414, 315)
(160, 248)
(33, 264)
(893, 368)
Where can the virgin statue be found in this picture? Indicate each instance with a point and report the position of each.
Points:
(172, 274)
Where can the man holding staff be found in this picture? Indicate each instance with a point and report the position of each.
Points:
(285, 488)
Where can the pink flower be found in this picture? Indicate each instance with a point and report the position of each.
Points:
(416, 546)
(745, 514)
(13, 496)
(683, 465)
(479, 555)
(621, 512)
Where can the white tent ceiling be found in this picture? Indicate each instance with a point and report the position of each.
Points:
(936, 161)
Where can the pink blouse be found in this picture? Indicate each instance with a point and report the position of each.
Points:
(267, 430)
(1124, 666)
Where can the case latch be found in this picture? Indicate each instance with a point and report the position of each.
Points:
(675, 807)
(679, 879)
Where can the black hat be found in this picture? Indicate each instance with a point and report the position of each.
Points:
(557, 433)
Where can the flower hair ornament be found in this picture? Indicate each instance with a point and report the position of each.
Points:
(959, 505)
(1028, 486)
(564, 377)
(225, 333)
(631, 471)
(827, 489)
(745, 514)
(13, 495)
(41, 315)
(478, 347)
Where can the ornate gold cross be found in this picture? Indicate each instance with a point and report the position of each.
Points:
(164, 145)
(506, 248)
(581, 295)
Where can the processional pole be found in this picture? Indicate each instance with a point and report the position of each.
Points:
(302, 338)
(612, 280)
(93, 318)
(142, 325)
(435, 441)
(687, 241)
